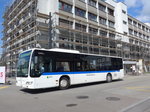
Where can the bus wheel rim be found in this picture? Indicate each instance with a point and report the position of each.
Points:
(109, 78)
(63, 83)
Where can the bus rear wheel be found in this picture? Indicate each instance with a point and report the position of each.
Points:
(64, 83)
(109, 78)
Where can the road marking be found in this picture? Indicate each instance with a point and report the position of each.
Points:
(141, 88)
(3, 87)
(141, 106)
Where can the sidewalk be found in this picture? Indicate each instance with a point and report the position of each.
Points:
(11, 80)
(130, 75)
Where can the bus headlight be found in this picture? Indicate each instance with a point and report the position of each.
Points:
(29, 82)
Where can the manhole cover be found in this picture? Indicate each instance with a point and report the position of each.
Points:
(113, 98)
(71, 105)
(82, 97)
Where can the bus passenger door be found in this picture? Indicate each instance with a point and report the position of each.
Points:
(80, 75)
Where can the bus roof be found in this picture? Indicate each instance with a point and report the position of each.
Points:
(68, 51)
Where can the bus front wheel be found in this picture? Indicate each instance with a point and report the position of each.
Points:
(64, 83)
(109, 78)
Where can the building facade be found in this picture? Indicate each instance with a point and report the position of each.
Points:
(90, 26)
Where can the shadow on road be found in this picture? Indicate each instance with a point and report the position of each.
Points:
(39, 91)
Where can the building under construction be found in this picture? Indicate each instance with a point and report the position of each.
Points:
(89, 26)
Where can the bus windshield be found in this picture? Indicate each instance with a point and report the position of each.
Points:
(41, 62)
(23, 64)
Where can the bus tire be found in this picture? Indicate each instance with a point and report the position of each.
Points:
(109, 78)
(64, 83)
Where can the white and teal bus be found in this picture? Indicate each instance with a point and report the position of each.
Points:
(41, 68)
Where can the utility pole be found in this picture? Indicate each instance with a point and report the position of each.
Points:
(50, 32)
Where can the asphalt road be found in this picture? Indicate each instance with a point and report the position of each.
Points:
(130, 95)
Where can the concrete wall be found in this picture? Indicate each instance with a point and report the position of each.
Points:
(120, 17)
(46, 6)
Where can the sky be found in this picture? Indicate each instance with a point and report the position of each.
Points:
(139, 9)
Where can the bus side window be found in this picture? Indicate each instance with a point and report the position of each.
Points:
(78, 66)
(66, 66)
(93, 65)
(47, 64)
(62, 66)
(59, 67)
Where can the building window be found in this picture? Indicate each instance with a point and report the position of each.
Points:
(11, 26)
(139, 25)
(130, 31)
(80, 12)
(130, 21)
(111, 24)
(80, 27)
(140, 43)
(135, 33)
(103, 33)
(143, 28)
(140, 35)
(124, 22)
(17, 23)
(111, 35)
(93, 30)
(147, 37)
(146, 29)
(143, 36)
(92, 3)
(65, 7)
(123, 11)
(110, 12)
(136, 42)
(65, 23)
(102, 20)
(134, 23)
(92, 17)
(101, 7)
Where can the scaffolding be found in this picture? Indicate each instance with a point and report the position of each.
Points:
(106, 42)
(19, 31)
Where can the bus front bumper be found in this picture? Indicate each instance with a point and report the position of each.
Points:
(24, 83)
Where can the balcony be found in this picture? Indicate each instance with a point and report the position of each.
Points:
(65, 13)
(102, 14)
(80, 4)
(67, 1)
(111, 18)
(92, 9)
